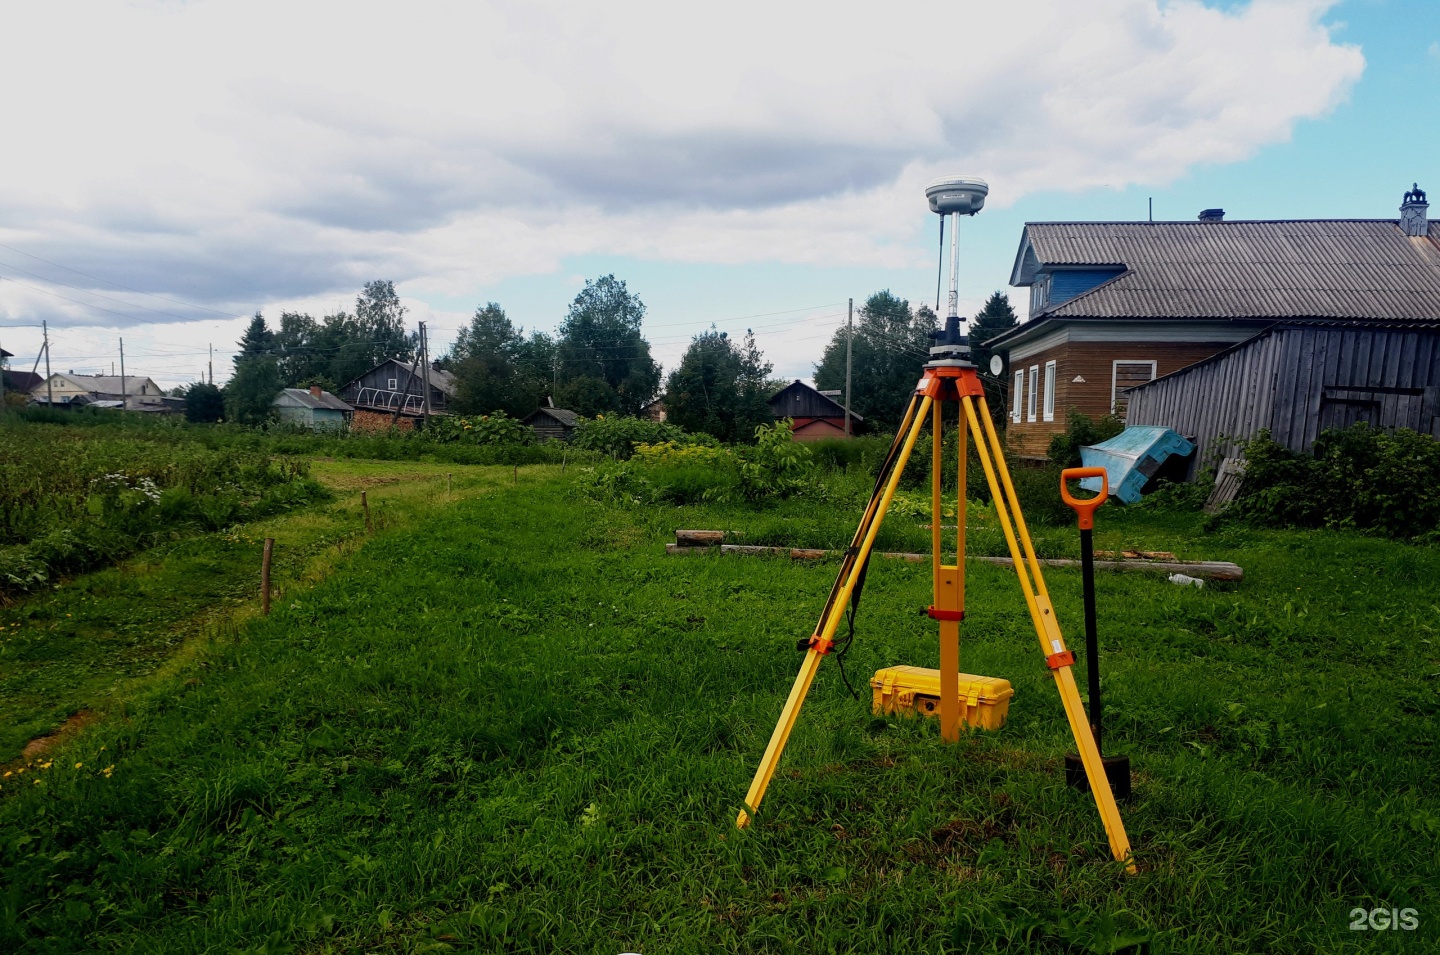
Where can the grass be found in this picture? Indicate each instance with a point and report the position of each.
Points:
(83, 648)
(515, 725)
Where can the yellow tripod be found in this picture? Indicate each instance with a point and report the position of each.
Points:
(947, 381)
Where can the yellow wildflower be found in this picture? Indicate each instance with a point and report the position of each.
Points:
(78, 765)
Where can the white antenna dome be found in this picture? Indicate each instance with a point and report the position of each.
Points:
(963, 195)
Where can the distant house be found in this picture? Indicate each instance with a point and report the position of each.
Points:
(1114, 305)
(655, 410)
(816, 415)
(553, 424)
(1298, 379)
(130, 392)
(20, 382)
(395, 390)
(315, 409)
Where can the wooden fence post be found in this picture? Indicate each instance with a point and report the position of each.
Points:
(365, 504)
(265, 577)
(447, 484)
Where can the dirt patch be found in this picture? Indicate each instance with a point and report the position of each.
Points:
(66, 730)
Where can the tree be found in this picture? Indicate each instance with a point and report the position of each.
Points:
(891, 346)
(258, 340)
(494, 365)
(720, 387)
(251, 389)
(997, 316)
(600, 339)
(204, 403)
(588, 396)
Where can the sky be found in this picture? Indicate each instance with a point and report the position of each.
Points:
(169, 167)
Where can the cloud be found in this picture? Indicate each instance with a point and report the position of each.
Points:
(235, 153)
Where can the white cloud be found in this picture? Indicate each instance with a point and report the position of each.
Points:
(237, 153)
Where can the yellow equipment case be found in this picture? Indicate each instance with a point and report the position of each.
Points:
(906, 690)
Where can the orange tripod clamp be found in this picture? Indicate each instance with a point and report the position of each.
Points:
(1085, 509)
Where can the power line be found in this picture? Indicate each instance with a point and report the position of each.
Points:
(98, 279)
(108, 298)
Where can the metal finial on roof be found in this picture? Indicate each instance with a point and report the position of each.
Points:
(1416, 194)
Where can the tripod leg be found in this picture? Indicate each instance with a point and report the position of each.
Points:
(825, 633)
(948, 586)
(1042, 614)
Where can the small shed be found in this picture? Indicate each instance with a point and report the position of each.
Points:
(1298, 379)
(553, 424)
(315, 409)
(816, 415)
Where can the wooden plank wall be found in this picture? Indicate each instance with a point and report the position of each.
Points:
(1215, 403)
(1297, 382)
(1389, 377)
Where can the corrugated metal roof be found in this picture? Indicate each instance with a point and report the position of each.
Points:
(326, 399)
(1316, 268)
(563, 415)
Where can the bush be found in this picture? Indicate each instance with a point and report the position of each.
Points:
(1080, 431)
(495, 429)
(618, 436)
(1358, 477)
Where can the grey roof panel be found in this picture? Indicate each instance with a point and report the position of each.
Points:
(326, 399)
(1322, 268)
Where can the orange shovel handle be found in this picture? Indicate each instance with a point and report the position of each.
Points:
(1085, 509)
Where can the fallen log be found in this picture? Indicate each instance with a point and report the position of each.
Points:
(699, 538)
(1206, 569)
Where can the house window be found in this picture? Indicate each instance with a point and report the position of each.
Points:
(1125, 375)
(1049, 404)
(394, 383)
(1034, 388)
(1017, 396)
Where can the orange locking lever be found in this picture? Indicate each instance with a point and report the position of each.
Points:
(1085, 509)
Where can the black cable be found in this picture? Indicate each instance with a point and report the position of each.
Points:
(940, 269)
(840, 653)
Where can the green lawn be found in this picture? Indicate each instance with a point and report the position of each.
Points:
(513, 724)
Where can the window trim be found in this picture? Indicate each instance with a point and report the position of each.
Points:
(1115, 373)
(1047, 410)
(1017, 396)
(1030, 401)
(394, 384)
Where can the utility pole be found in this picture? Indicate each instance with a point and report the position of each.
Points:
(849, 340)
(124, 398)
(425, 371)
(49, 388)
(212, 364)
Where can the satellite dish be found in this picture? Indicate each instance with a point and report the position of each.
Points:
(997, 365)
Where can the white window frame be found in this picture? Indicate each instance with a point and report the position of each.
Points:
(1115, 373)
(1048, 405)
(1017, 396)
(1030, 399)
(394, 384)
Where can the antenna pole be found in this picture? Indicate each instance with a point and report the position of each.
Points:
(954, 265)
(212, 364)
(124, 398)
(849, 340)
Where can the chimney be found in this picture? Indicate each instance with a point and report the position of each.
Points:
(1412, 212)
(1212, 215)
(550, 401)
(315, 391)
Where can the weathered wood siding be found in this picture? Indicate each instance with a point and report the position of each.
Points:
(1297, 382)
(799, 401)
(1094, 362)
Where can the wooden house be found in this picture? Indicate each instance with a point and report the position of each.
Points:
(131, 392)
(1114, 305)
(314, 408)
(1298, 379)
(654, 410)
(553, 424)
(394, 390)
(815, 415)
